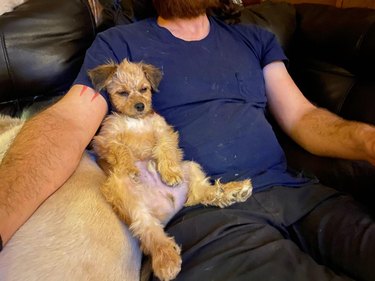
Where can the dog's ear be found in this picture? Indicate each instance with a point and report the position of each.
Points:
(153, 75)
(101, 75)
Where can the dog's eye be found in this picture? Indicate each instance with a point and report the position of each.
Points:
(124, 93)
(143, 90)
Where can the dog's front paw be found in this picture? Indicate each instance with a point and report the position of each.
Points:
(126, 170)
(166, 260)
(132, 172)
(171, 175)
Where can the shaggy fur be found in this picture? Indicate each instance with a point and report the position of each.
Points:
(137, 133)
(9, 5)
(74, 235)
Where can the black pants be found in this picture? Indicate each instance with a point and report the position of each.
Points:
(282, 234)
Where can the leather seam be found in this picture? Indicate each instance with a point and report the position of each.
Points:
(358, 49)
(341, 105)
(7, 62)
(91, 16)
(362, 39)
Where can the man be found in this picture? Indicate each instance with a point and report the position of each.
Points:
(217, 81)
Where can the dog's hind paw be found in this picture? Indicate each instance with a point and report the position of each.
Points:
(245, 192)
(166, 261)
(234, 192)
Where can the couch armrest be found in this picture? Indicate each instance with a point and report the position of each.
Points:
(354, 177)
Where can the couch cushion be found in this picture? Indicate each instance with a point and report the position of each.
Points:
(279, 18)
(43, 43)
(333, 58)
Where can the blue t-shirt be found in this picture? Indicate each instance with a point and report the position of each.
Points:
(212, 92)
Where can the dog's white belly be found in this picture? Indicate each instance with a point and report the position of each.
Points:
(73, 236)
(161, 200)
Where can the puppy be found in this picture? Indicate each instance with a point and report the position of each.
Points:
(136, 133)
(74, 235)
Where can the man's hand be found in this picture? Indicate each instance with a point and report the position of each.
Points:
(368, 137)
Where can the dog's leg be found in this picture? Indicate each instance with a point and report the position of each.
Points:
(123, 159)
(121, 192)
(168, 157)
(201, 191)
(116, 154)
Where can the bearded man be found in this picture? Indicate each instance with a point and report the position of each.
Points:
(218, 80)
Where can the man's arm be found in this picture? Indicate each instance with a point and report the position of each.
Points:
(317, 130)
(45, 153)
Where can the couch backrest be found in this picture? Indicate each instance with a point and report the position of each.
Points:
(333, 59)
(279, 18)
(331, 53)
(43, 43)
(331, 50)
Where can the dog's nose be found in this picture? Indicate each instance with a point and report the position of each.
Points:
(139, 106)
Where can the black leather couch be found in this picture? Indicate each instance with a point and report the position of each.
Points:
(332, 55)
(331, 51)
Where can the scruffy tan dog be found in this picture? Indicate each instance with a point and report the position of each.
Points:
(136, 133)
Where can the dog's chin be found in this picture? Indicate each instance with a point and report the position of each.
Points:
(138, 115)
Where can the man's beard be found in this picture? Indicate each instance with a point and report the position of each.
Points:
(169, 9)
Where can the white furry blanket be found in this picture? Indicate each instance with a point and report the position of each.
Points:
(9, 5)
(73, 236)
